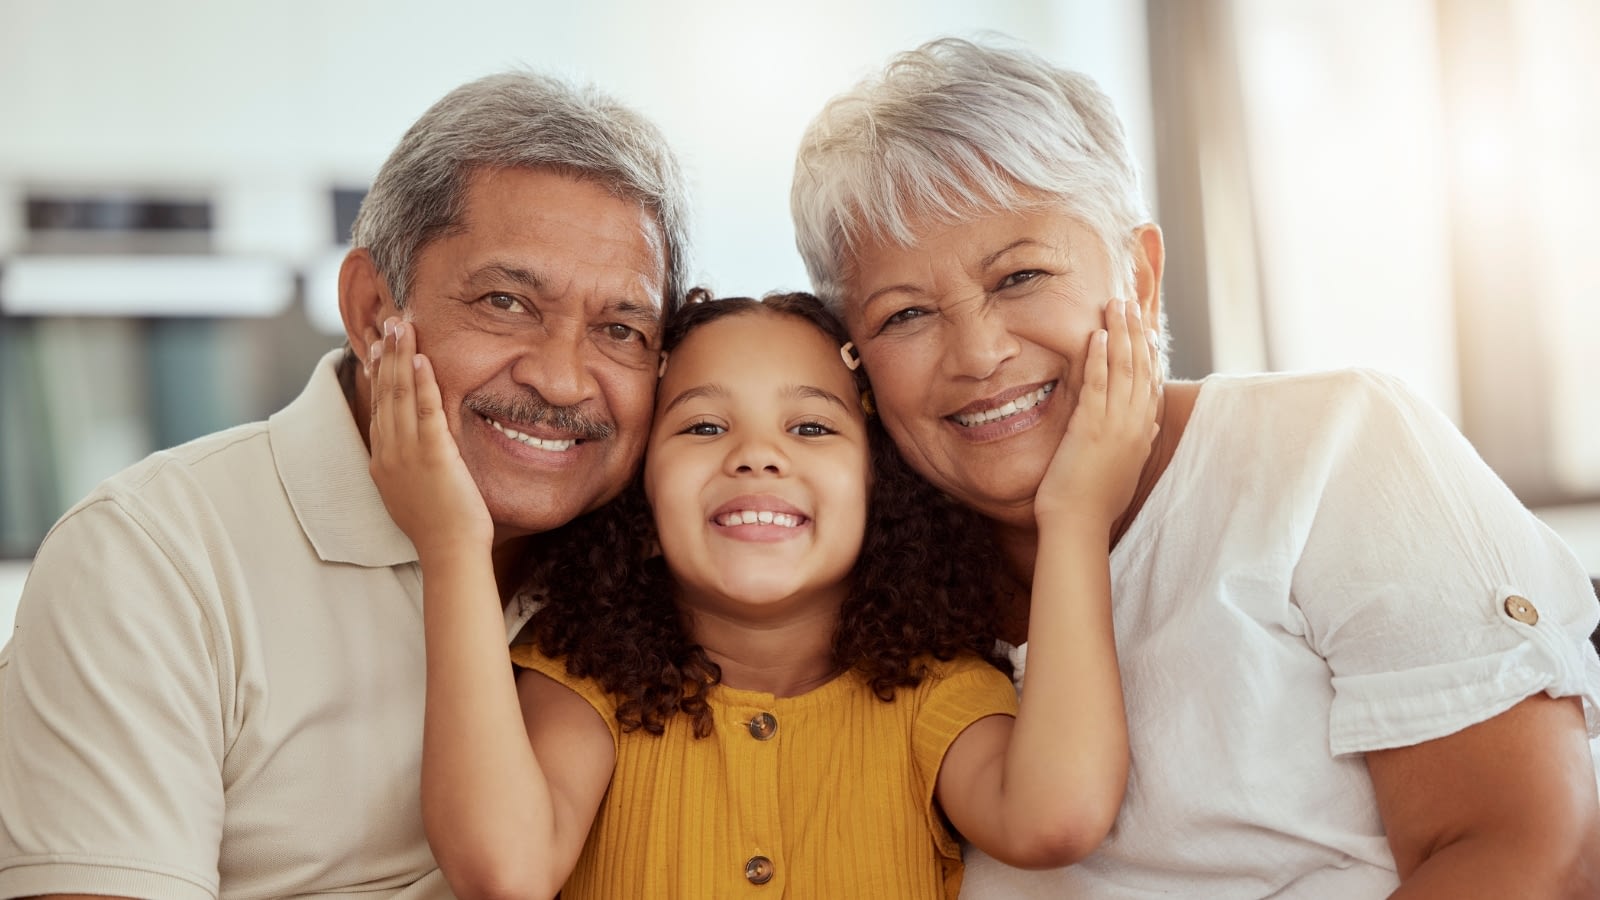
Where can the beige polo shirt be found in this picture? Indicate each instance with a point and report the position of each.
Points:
(215, 686)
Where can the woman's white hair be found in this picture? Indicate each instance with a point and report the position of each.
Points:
(953, 129)
(518, 120)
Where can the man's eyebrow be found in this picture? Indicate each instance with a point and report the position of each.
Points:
(635, 311)
(714, 391)
(501, 272)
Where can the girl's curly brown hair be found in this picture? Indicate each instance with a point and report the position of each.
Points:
(922, 587)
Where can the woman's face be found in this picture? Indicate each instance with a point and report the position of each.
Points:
(975, 337)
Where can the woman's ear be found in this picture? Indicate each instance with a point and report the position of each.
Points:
(1149, 255)
(364, 302)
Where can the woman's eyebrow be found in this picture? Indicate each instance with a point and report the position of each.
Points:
(994, 257)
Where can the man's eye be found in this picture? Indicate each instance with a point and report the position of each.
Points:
(1016, 278)
(704, 429)
(623, 333)
(811, 429)
(503, 301)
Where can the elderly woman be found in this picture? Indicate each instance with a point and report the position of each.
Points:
(1353, 662)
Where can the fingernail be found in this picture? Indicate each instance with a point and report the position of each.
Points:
(1137, 312)
(388, 327)
(416, 360)
(1151, 336)
(376, 351)
(399, 330)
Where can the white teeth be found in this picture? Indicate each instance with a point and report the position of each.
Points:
(1006, 411)
(758, 517)
(530, 440)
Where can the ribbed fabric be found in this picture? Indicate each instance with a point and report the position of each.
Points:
(839, 798)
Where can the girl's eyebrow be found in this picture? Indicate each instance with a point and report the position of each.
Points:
(718, 392)
(811, 391)
(715, 391)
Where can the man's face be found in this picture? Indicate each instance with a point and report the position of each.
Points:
(541, 316)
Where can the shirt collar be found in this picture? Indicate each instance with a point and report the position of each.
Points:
(322, 462)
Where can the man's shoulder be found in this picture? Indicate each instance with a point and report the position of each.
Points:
(181, 488)
(222, 456)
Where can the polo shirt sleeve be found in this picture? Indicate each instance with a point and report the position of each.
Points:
(111, 737)
(954, 695)
(1437, 599)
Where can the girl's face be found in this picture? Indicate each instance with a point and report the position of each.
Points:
(757, 467)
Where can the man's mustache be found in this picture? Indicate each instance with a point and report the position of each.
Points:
(532, 409)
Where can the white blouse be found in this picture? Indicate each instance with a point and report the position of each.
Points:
(1326, 568)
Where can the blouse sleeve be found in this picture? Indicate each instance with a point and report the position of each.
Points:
(1437, 599)
(527, 656)
(954, 695)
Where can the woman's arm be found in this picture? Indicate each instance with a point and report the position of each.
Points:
(1044, 790)
(1505, 808)
(505, 808)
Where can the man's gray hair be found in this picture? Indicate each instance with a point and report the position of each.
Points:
(517, 120)
(953, 129)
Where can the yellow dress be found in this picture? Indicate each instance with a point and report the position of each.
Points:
(827, 795)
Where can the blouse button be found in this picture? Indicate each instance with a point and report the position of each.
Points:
(1520, 609)
(762, 727)
(759, 870)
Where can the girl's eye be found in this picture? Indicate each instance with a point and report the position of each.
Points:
(704, 429)
(1016, 278)
(811, 429)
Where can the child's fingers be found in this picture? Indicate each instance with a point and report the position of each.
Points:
(400, 345)
(430, 405)
(1120, 351)
(1143, 359)
(1092, 398)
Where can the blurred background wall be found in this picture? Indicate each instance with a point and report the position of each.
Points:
(1404, 184)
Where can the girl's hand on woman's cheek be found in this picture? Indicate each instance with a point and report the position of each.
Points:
(1108, 439)
(415, 462)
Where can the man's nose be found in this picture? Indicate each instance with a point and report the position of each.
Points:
(557, 364)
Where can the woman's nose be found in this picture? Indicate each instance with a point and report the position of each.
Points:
(978, 341)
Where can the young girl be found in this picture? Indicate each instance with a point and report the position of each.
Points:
(790, 697)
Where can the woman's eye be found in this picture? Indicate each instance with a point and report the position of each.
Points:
(904, 315)
(811, 429)
(1016, 278)
(704, 429)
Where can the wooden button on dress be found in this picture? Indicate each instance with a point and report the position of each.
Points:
(763, 726)
(1520, 609)
(759, 870)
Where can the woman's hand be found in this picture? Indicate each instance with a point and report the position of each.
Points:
(415, 462)
(1097, 466)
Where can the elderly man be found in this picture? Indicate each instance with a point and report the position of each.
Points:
(215, 688)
